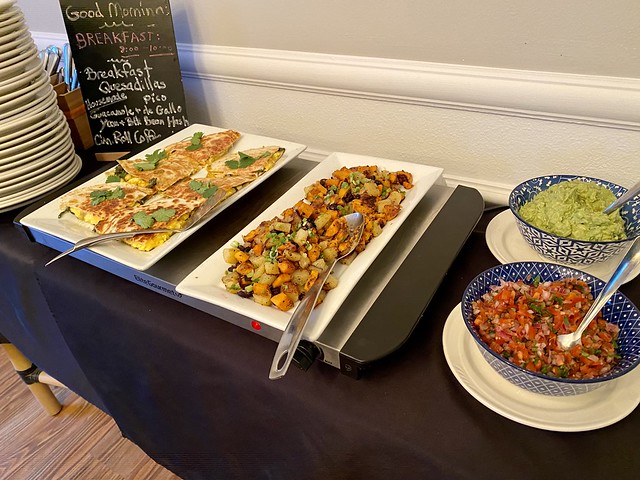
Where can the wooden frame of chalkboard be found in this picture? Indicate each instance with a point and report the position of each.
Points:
(127, 62)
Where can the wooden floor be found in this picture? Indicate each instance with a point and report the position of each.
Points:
(81, 442)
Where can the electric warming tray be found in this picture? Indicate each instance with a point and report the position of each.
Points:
(378, 315)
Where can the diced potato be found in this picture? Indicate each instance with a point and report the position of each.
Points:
(262, 299)
(304, 209)
(313, 276)
(293, 256)
(286, 266)
(245, 268)
(300, 277)
(322, 220)
(291, 290)
(261, 289)
(282, 301)
(319, 265)
(266, 278)
(259, 271)
(271, 268)
(331, 283)
(229, 255)
(304, 261)
(280, 279)
(330, 254)
(313, 253)
(241, 256)
(231, 282)
(257, 260)
(300, 237)
(321, 296)
(282, 227)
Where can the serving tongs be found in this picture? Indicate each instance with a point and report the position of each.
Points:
(198, 216)
(293, 332)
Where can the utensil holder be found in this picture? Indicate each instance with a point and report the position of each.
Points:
(72, 105)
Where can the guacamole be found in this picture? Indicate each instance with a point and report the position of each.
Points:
(574, 209)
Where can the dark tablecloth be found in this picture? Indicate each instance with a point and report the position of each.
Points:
(193, 391)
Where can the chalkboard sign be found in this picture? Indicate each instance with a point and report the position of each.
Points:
(127, 62)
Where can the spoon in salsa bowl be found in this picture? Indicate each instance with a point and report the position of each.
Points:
(626, 267)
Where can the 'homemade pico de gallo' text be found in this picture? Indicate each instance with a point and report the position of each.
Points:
(520, 321)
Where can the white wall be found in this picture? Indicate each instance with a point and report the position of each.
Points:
(493, 94)
(573, 36)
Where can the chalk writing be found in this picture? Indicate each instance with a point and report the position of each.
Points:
(128, 67)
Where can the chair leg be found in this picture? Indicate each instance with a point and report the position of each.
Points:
(29, 374)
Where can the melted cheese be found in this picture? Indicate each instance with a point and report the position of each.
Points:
(85, 216)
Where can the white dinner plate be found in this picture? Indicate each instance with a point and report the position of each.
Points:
(13, 201)
(16, 63)
(589, 411)
(12, 140)
(58, 160)
(54, 137)
(15, 17)
(28, 166)
(12, 98)
(30, 73)
(7, 10)
(17, 47)
(38, 101)
(205, 281)
(70, 229)
(5, 7)
(507, 245)
(39, 138)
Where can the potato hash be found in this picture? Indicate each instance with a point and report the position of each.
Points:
(521, 322)
(279, 261)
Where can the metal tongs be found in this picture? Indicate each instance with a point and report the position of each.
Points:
(199, 215)
(293, 333)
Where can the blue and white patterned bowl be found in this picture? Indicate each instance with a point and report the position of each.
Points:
(619, 310)
(567, 250)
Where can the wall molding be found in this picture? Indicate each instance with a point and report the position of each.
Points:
(592, 100)
(608, 102)
(582, 99)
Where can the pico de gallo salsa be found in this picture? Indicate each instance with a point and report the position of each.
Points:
(520, 321)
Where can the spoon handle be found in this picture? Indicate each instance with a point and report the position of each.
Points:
(626, 266)
(292, 334)
(628, 195)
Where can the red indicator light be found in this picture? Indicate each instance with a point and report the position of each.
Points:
(255, 325)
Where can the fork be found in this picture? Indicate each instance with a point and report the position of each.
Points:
(199, 214)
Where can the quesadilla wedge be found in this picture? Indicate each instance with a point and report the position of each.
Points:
(164, 167)
(97, 202)
(247, 163)
(161, 212)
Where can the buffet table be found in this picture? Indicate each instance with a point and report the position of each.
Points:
(193, 391)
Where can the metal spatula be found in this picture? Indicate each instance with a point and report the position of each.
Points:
(200, 214)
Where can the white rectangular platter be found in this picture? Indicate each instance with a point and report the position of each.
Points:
(71, 229)
(205, 282)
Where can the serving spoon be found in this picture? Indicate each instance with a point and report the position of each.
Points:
(628, 195)
(627, 265)
(293, 332)
(199, 214)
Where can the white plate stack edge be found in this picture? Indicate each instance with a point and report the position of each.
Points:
(37, 154)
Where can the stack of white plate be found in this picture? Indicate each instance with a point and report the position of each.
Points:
(37, 154)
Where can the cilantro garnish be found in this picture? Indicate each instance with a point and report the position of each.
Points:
(112, 179)
(195, 141)
(99, 196)
(152, 160)
(244, 160)
(146, 220)
(203, 188)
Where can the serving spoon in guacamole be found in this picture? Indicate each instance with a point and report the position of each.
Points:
(628, 195)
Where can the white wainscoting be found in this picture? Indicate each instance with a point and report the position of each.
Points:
(488, 128)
